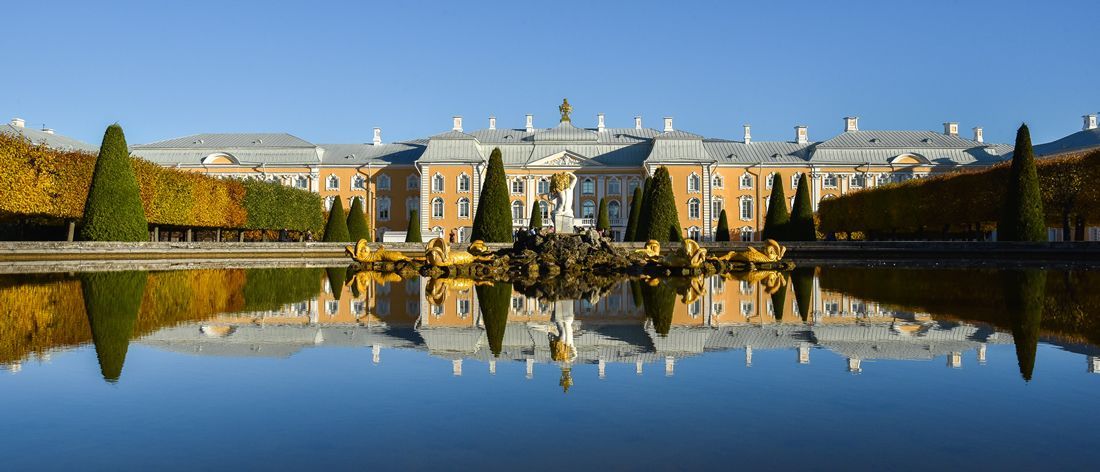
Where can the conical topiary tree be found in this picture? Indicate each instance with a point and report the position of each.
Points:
(1022, 211)
(777, 219)
(603, 222)
(801, 226)
(113, 209)
(664, 220)
(337, 277)
(802, 284)
(413, 235)
(112, 301)
(494, 301)
(635, 214)
(536, 217)
(493, 220)
(642, 230)
(336, 229)
(723, 231)
(358, 228)
(1024, 294)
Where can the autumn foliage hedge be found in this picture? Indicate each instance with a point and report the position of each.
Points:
(965, 200)
(49, 186)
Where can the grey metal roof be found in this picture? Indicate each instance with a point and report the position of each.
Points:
(258, 156)
(452, 146)
(392, 153)
(678, 147)
(738, 152)
(52, 141)
(606, 154)
(230, 141)
(987, 154)
(1079, 141)
(565, 131)
(896, 139)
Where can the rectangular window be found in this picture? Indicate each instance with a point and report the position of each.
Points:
(771, 180)
(859, 180)
(830, 181)
(715, 208)
(384, 209)
(544, 186)
(517, 185)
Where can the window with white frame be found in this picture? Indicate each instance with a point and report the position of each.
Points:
(632, 185)
(716, 181)
(693, 208)
(463, 307)
(715, 208)
(332, 307)
(829, 181)
(383, 211)
(858, 181)
(746, 181)
(437, 311)
(383, 182)
(695, 308)
(411, 203)
(694, 233)
(412, 182)
(718, 308)
(384, 289)
(588, 209)
(746, 233)
(300, 182)
(883, 179)
(614, 210)
(746, 208)
(770, 181)
(438, 182)
(463, 207)
(358, 182)
(746, 308)
(614, 186)
(358, 307)
(517, 210)
(588, 186)
(794, 180)
(746, 287)
(827, 197)
(694, 183)
(463, 182)
(437, 207)
(517, 185)
(543, 186)
(332, 182)
(544, 208)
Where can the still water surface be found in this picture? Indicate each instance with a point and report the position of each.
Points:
(829, 367)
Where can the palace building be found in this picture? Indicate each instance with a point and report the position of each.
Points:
(440, 176)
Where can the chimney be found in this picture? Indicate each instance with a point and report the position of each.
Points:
(851, 123)
(668, 124)
(800, 134)
(18, 122)
(492, 122)
(599, 122)
(377, 136)
(748, 134)
(458, 124)
(530, 123)
(47, 130)
(1090, 122)
(951, 128)
(978, 135)
(637, 122)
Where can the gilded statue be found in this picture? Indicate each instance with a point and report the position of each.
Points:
(688, 255)
(773, 252)
(361, 253)
(565, 109)
(694, 290)
(438, 288)
(478, 248)
(438, 253)
(365, 278)
(771, 281)
(651, 250)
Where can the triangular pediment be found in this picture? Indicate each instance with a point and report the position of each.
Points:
(568, 159)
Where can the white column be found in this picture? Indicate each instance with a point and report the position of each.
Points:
(981, 353)
(602, 366)
(670, 366)
(815, 189)
(705, 202)
(530, 368)
(638, 367)
(804, 353)
(748, 356)
(599, 191)
(376, 354)
(425, 198)
(492, 367)
(456, 367)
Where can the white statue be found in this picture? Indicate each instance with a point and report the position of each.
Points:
(562, 184)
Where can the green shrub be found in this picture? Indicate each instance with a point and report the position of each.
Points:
(493, 219)
(336, 230)
(603, 222)
(357, 221)
(635, 215)
(113, 210)
(802, 226)
(413, 234)
(112, 301)
(1022, 216)
(664, 221)
(270, 205)
(495, 301)
(536, 217)
(777, 219)
(723, 231)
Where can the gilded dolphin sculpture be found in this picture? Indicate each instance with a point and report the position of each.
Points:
(362, 253)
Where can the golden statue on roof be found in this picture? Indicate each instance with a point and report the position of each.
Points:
(565, 109)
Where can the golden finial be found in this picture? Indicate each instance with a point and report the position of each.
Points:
(565, 109)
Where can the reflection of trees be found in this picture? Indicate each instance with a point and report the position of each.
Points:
(270, 289)
(336, 279)
(658, 301)
(779, 301)
(112, 301)
(802, 281)
(1024, 291)
(495, 300)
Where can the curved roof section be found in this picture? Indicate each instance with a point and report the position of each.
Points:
(1079, 141)
(564, 132)
(452, 146)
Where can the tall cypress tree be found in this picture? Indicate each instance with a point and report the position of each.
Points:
(413, 234)
(664, 220)
(494, 301)
(1022, 214)
(603, 222)
(358, 228)
(536, 217)
(723, 231)
(113, 210)
(777, 219)
(635, 214)
(802, 226)
(642, 230)
(493, 221)
(336, 230)
(112, 301)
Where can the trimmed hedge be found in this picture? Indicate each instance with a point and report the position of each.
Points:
(270, 205)
(1022, 211)
(113, 210)
(358, 228)
(723, 231)
(635, 215)
(777, 218)
(802, 227)
(493, 217)
(966, 201)
(603, 221)
(663, 222)
(336, 229)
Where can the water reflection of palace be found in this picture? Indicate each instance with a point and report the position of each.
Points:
(727, 315)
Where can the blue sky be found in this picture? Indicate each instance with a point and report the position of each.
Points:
(329, 71)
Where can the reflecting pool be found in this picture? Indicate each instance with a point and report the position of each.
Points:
(838, 366)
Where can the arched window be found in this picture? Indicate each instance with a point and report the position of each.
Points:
(463, 207)
(517, 185)
(588, 187)
(438, 182)
(383, 210)
(746, 208)
(694, 183)
(463, 182)
(359, 182)
(301, 182)
(544, 206)
(693, 208)
(694, 233)
(614, 186)
(715, 208)
(614, 210)
(544, 186)
(412, 182)
(332, 182)
(588, 209)
(746, 181)
(437, 207)
(517, 210)
(383, 182)
(716, 181)
(746, 233)
(771, 180)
